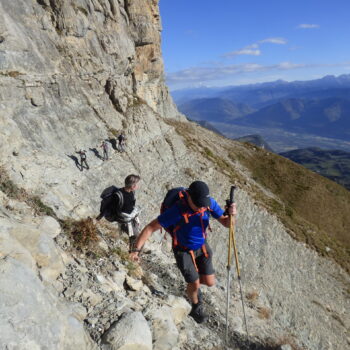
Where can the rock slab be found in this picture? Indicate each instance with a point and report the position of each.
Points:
(131, 332)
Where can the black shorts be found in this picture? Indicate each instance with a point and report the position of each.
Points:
(185, 263)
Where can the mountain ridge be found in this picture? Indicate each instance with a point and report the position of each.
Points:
(295, 88)
(327, 117)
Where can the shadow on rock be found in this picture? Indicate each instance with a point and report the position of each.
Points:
(96, 153)
(75, 159)
(113, 142)
(237, 341)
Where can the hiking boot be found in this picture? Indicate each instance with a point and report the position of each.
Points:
(198, 314)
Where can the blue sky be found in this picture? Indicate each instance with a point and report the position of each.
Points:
(234, 42)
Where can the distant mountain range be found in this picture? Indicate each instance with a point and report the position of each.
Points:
(328, 117)
(318, 107)
(214, 109)
(259, 95)
(332, 164)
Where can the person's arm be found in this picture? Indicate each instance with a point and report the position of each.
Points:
(225, 219)
(142, 238)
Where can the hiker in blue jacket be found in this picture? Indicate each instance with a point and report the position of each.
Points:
(188, 219)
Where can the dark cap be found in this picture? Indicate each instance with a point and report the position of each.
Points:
(199, 192)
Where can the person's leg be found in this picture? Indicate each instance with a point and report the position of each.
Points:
(205, 267)
(192, 291)
(208, 280)
(185, 264)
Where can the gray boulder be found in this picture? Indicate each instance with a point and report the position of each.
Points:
(33, 318)
(131, 332)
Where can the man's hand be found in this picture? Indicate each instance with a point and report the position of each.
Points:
(142, 238)
(134, 256)
(231, 210)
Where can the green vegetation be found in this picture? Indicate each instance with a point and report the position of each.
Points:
(13, 191)
(39, 207)
(114, 132)
(333, 164)
(12, 74)
(132, 268)
(122, 253)
(312, 207)
(9, 187)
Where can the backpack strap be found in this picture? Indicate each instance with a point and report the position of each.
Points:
(120, 198)
(186, 215)
(205, 252)
(193, 259)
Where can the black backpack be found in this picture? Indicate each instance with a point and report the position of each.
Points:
(111, 203)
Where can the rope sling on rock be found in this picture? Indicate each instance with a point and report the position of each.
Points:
(232, 244)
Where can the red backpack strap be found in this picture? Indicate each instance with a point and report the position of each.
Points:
(193, 259)
(186, 215)
(174, 237)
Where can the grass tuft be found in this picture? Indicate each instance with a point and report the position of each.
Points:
(83, 232)
(12, 74)
(252, 296)
(264, 313)
(39, 207)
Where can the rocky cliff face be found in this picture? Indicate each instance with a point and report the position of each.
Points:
(73, 73)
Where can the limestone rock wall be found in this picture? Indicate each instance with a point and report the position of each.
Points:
(72, 74)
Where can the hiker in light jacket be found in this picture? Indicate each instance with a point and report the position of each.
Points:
(119, 205)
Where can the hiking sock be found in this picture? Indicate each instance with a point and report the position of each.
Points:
(200, 296)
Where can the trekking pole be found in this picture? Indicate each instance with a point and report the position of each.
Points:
(228, 203)
(232, 232)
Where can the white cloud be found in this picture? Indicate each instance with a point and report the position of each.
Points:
(279, 41)
(252, 46)
(253, 49)
(308, 26)
(207, 74)
(199, 74)
(245, 51)
(289, 65)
